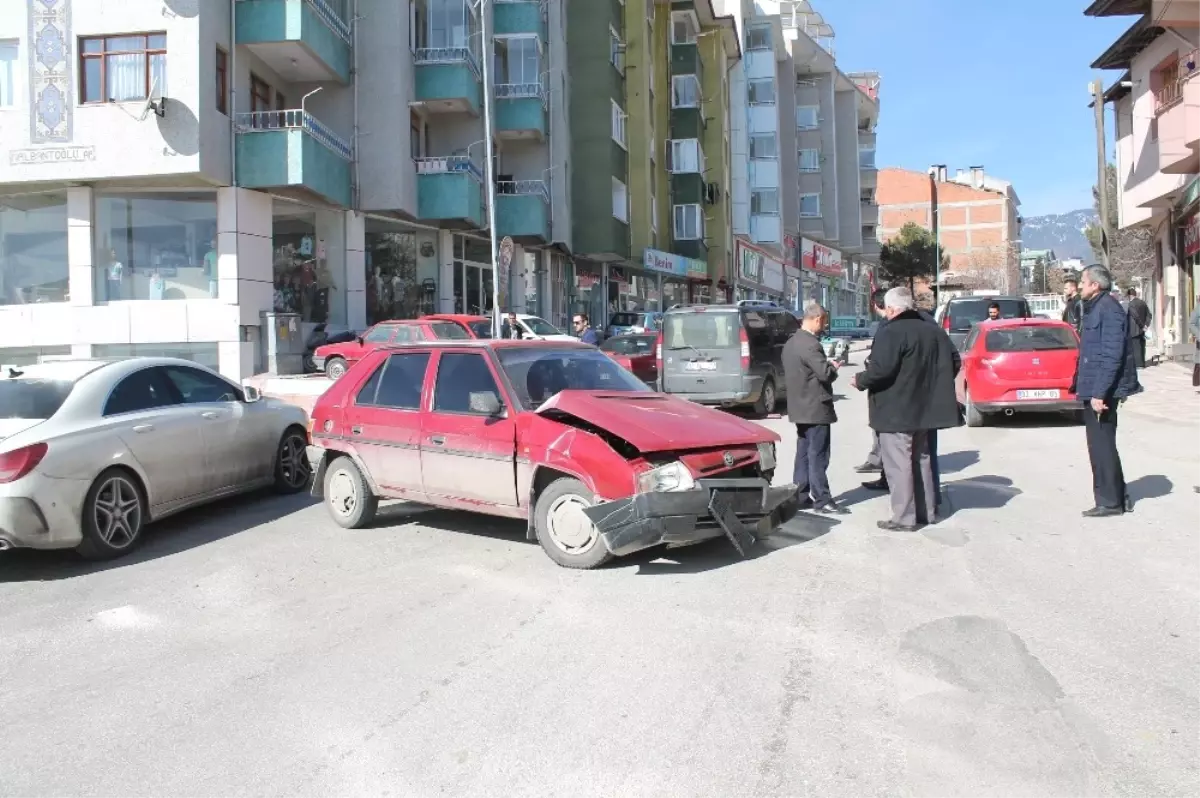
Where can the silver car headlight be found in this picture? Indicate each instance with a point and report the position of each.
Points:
(766, 456)
(670, 477)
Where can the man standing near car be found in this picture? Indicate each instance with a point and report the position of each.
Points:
(511, 329)
(1073, 309)
(1106, 375)
(583, 329)
(809, 375)
(1139, 322)
(910, 381)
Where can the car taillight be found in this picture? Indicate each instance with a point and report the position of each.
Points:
(745, 348)
(658, 358)
(19, 462)
(946, 321)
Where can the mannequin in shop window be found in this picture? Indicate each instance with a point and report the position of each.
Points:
(210, 267)
(114, 275)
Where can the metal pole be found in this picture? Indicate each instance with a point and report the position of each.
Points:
(489, 168)
(934, 174)
(1097, 89)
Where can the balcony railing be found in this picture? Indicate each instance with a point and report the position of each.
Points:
(446, 55)
(1172, 78)
(331, 18)
(448, 164)
(517, 91)
(527, 187)
(268, 121)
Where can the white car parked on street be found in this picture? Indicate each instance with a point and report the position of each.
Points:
(93, 450)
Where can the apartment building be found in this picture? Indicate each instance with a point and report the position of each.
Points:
(979, 222)
(1156, 105)
(174, 171)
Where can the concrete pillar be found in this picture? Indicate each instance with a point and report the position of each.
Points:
(245, 265)
(81, 251)
(445, 271)
(356, 271)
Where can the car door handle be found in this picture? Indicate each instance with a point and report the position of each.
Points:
(140, 428)
(437, 440)
(356, 430)
(210, 414)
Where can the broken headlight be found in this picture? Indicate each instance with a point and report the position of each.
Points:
(766, 456)
(670, 477)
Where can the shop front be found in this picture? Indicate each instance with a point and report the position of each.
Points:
(760, 276)
(1191, 260)
(821, 272)
(587, 294)
(679, 280)
(472, 276)
(401, 270)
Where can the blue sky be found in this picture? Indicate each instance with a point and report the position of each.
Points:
(1003, 84)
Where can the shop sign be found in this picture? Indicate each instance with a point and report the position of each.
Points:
(617, 275)
(668, 263)
(78, 154)
(772, 274)
(838, 323)
(1191, 235)
(751, 263)
(791, 253)
(820, 259)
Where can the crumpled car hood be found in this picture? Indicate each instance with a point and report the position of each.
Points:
(656, 422)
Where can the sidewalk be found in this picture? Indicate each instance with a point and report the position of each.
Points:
(1169, 395)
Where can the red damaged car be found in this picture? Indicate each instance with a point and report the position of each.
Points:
(336, 359)
(552, 432)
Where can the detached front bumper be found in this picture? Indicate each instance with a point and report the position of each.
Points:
(743, 510)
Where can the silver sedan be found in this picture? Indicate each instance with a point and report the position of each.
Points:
(93, 450)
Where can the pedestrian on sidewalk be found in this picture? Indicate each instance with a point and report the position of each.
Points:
(1073, 304)
(1106, 375)
(1139, 322)
(910, 384)
(809, 376)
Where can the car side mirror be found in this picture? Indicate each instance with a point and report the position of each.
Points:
(485, 403)
(359, 339)
(251, 393)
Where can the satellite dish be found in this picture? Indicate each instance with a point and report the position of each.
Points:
(154, 102)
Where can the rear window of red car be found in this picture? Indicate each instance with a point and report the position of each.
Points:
(1031, 338)
(448, 330)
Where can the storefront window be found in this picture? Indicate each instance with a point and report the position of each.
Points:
(156, 245)
(204, 354)
(33, 249)
(588, 293)
(472, 276)
(309, 262)
(401, 271)
(31, 355)
(558, 292)
(674, 293)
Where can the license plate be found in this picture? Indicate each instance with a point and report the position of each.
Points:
(700, 365)
(734, 529)
(1042, 394)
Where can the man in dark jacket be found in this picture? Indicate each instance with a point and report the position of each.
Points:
(1106, 375)
(809, 376)
(511, 329)
(1073, 309)
(910, 380)
(1139, 322)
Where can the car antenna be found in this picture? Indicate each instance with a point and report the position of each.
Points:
(14, 372)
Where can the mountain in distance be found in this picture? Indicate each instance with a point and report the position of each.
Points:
(1061, 232)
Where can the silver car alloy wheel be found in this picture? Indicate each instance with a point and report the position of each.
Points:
(293, 461)
(571, 530)
(342, 493)
(336, 370)
(117, 511)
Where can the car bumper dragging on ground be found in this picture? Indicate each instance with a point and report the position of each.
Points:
(743, 510)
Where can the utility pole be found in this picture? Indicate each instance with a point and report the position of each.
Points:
(1097, 90)
(935, 174)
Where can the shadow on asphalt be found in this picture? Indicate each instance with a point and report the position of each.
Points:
(954, 462)
(1151, 486)
(187, 530)
(987, 492)
(1027, 420)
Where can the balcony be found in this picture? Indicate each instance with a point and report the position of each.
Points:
(868, 176)
(870, 246)
(518, 16)
(521, 111)
(450, 191)
(291, 152)
(1177, 115)
(523, 211)
(304, 40)
(695, 248)
(447, 80)
(685, 60)
(870, 213)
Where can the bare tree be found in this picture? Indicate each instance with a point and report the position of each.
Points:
(1131, 250)
(992, 268)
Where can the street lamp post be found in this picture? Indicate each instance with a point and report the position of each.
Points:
(490, 167)
(935, 174)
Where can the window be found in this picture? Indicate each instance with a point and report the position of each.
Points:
(33, 250)
(758, 38)
(616, 50)
(449, 330)
(260, 94)
(204, 354)
(281, 103)
(685, 156)
(200, 387)
(461, 378)
(397, 383)
(684, 27)
(866, 159)
(810, 205)
(763, 145)
(618, 124)
(222, 87)
(518, 62)
(810, 160)
(685, 91)
(379, 334)
(808, 117)
(8, 74)
(142, 390)
(689, 223)
(31, 397)
(764, 200)
(117, 69)
(620, 200)
(416, 143)
(762, 91)
(650, 47)
(654, 216)
(1030, 339)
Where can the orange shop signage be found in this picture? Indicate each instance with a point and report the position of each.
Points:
(1191, 235)
(819, 258)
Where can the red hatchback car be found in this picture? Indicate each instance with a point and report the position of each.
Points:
(636, 352)
(1016, 365)
(553, 432)
(336, 359)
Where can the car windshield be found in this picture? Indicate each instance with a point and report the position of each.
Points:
(32, 398)
(629, 345)
(448, 330)
(964, 313)
(540, 326)
(1030, 338)
(537, 373)
(481, 329)
(624, 320)
(701, 330)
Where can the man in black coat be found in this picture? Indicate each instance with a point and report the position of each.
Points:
(1139, 322)
(1072, 304)
(910, 381)
(809, 376)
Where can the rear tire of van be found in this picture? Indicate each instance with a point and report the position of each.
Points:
(765, 405)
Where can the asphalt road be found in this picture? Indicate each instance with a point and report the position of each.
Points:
(256, 649)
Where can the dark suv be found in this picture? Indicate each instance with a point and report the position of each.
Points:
(960, 314)
(725, 355)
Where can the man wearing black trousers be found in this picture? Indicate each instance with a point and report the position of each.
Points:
(1105, 376)
(1139, 322)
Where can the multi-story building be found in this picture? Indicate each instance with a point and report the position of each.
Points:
(172, 172)
(1156, 104)
(979, 222)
